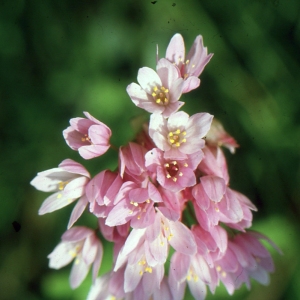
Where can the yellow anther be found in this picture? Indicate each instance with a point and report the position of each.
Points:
(153, 94)
(166, 100)
(218, 268)
(59, 196)
(77, 261)
(170, 133)
(183, 141)
(174, 179)
(180, 174)
(83, 139)
(73, 253)
(148, 201)
(166, 91)
(169, 237)
(167, 165)
(138, 217)
(195, 277)
(168, 175)
(183, 132)
(185, 164)
(148, 269)
(174, 162)
(130, 212)
(155, 88)
(187, 61)
(172, 141)
(217, 209)
(141, 273)
(193, 66)
(177, 144)
(223, 274)
(177, 131)
(188, 277)
(157, 100)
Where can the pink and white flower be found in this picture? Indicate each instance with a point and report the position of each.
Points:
(192, 66)
(180, 135)
(89, 137)
(174, 175)
(245, 258)
(157, 92)
(81, 244)
(68, 181)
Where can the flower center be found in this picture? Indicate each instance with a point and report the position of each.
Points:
(160, 95)
(87, 139)
(176, 137)
(172, 170)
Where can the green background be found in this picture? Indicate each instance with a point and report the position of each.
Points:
(59, 58)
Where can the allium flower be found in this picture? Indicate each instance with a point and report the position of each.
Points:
(101, 192)
(192, 66)
(89, 137)
(81, 244)
(174, 175)
(245, 258)
(68, 181)
(158, 92)
(180, 135)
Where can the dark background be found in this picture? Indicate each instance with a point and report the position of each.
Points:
(59, 58)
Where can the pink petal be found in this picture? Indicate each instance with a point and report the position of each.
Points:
(91, 151)
(190, 83)
(214, 187)
(76, 234)
(148, 78)
(78, 210)
(54, 202)
(200, 196)
(72, 166)
(180, 265)
(78, 272)
(176, 50)
(182, 240)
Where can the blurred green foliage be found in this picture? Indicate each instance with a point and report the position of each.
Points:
(59, 58)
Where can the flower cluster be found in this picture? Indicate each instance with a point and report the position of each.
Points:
(170, 190)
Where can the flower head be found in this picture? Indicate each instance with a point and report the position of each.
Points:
(89, 137)
(180, 135)
(81, 244)
(192, 66)
(159, 91)
(68, 181)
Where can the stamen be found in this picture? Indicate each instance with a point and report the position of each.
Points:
(167, 165)
(59, 196)
(174, 179)
(187, 61)
(185, 165)
(168, 175)
(180, 174)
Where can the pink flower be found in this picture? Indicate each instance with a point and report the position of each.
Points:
(135, 205)
(68, 181)
(217, 136)
(81, 244)
(174, 175)
(89, 137)
(180, 135)
(193, 270)
(101, 192)
(191, 67)
(158, 92)
(245, 258)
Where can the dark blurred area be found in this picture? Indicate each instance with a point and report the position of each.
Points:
(60, 58)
